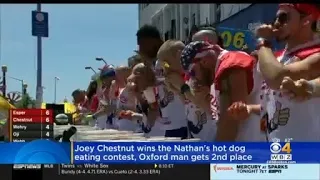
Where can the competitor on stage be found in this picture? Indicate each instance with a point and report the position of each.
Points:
(149, 41)
(235, 84)
(199, 121)
(286, 119)
(126, 103)
(173, 117)
(107, 103)
(141, 83)
(208, 34)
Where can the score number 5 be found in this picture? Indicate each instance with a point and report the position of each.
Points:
(236, 40)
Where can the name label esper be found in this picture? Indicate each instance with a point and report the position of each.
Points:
(31, 112)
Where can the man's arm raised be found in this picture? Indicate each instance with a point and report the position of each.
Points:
(233, 89)
(274, 72)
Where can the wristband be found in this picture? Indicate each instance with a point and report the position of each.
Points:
(261, 42)
(312, 86)
(184, 88)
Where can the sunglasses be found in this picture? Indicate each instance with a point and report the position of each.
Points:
(284, 17)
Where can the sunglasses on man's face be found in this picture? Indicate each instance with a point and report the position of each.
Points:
(285, 17)
(282, 18)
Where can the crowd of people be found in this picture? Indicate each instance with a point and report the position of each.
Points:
(201, 90)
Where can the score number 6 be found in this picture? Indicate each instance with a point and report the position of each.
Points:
(47, 120)
(236, 40)
(47, 112)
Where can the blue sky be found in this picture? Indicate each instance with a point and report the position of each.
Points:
(77, 34)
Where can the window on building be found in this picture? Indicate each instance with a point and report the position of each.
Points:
(193, 19)
(218, 13)
(166, 36)
(187, 34)
(144, 6)
(173, 29)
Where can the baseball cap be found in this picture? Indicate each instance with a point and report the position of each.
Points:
(107, 71)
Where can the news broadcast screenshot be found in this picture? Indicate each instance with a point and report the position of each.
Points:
(181, 91)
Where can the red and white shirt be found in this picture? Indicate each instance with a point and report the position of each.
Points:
(250, 129)
(301, 121)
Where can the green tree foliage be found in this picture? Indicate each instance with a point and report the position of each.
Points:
(26, 102)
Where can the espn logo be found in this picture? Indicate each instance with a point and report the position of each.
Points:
(27, 166)
(281, 157)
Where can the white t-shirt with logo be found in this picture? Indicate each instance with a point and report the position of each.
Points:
(289, 120)
(200, 123)
(125, 102)
(172, 109)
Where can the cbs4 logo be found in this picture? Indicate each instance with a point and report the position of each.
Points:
(277, 148)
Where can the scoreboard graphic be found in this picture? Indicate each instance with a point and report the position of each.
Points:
(30, 124)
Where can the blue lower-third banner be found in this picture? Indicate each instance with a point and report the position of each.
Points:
(44, 152)
(194, 152)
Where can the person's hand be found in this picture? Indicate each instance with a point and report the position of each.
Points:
(126, 114)
(300, 90)
(265, 31)
(239, 111)
(175, 80)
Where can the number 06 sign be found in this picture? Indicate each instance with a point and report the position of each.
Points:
(234, 39)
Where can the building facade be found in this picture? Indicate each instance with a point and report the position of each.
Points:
(177, 21)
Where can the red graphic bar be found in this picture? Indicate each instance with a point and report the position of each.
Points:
(31, 112)
(32, 119)
(26, 119)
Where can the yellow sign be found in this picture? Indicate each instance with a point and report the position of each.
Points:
(233, 39)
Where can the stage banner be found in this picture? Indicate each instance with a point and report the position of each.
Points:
(238, 39)
(194, 152)
(45, 151)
